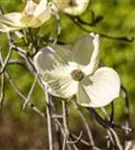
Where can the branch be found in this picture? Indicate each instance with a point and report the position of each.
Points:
(127, 108)
(2, 90)
(122, 38)
(58, 127)
(49, 122)
(86, 125)
(54, 40)
(15, 62)
(66, 131)
(111, 133)
(4, 65)
(111, 121)
(30, 92)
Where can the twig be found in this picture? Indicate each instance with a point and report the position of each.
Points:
(22, 96)
(114, 138)
(66, 131)
(129, 145)
(127, 109)
(86, 125)
(71, 135)
(77, 140)
(123, 38)
(111, 133)
(58, 127)
(18, 91)
(111, 121)
(30, 92)
(19, 50)
(6, 60)
(104, 123)
(56, 15)
(49, 122)
(15, 62)
(63, 127)
(27, 59)
(81, 140)
(105, 113)
(2, 90)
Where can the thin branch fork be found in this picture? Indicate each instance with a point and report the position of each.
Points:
(4, 65)
(86, 125)
(82, 25)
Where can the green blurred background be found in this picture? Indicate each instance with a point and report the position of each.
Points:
(26, 129)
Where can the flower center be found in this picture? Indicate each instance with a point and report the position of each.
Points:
(72, 3)
(77, 75)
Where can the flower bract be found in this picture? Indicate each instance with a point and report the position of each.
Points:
(68, 70)
(33, 15)
(72, 7)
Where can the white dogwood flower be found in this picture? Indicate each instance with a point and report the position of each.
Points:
(33, 15)
(71, 7)
(68, 70)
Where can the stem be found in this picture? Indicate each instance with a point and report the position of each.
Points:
(56, 117)
(123, 38)
(112, 115)
(127, 109)
(30, 92)
(2, 90)
(6, 60)
(66, 132)
(91, 141)
(49, 122)
(58, 28)
(111, 133)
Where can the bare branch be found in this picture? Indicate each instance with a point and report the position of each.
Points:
(127, 109)
(49, 122)
(81, 26)
(22, 96)
(86, 125)
(111, 133)
(77, 140)
(114, 138)
(6, 60)
(2, 90)
(30, 93)
(15, 62)
(57, 17)
(66, 131)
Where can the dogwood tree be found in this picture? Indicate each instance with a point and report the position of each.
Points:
(70, 74)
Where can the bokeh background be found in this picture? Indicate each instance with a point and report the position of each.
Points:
(27, 130)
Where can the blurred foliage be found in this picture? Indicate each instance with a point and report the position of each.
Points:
(116, 18)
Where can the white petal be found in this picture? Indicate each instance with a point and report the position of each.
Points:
(43, 11)
(41, 7)
(83, 49)
(100, 89)
(34, 15)
(94, 60)
(59, 83)
(49, 58)
(11, 19)
(75, 7)
(54, 67)
(29, 8)
(10, 22)
(7, 28)
(85, 52)
(27, 14)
